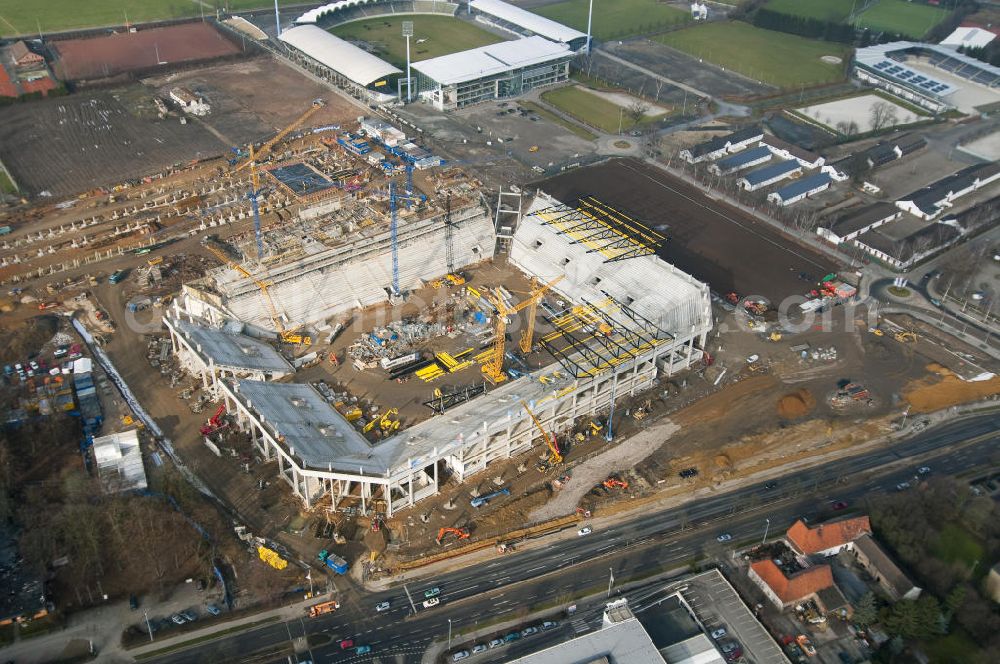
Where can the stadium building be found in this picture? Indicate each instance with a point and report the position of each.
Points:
(521, 22)
(935, 77)
(497, 71)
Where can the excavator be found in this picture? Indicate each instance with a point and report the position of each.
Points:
(215, 423)
(555, 455)
(613, 482)
(905, 336)
(461, 533)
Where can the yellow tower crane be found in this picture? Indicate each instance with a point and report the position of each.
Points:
(555, 455)
(288, 336)
(493, 367)
(537, 291)
(265, 149)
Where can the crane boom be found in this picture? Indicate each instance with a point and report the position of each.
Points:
(528, 336)
(265, 149)
(493, 368)
(556, 455)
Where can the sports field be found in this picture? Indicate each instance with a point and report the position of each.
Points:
(771, 57)
(834, 11)
(592, 109)
(908, 18)
(24, 18)
(615, 20)
(432, 36)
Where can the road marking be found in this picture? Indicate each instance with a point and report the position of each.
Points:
(534, 569)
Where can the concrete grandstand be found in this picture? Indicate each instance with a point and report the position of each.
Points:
(522, 22)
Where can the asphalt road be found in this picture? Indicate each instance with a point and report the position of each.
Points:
(643, 545)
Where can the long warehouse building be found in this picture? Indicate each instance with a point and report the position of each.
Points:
(629, 317)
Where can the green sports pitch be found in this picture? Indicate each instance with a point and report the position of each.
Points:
(616, 19)
(433, 36)
(907, 18)
(20, 17)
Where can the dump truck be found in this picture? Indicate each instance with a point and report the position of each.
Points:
(322, 608)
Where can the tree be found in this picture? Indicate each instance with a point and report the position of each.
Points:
(636, 111)
(866, 611)
(882, 115)
(902, 619)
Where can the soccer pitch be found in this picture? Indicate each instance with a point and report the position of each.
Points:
(615, 20)
(432, 36)
(18, 17)
(834, 11)
(771, 57)
(907, 18)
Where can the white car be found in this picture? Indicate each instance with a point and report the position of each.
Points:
(478, 648)
(753, 358)
(902, 486)
(584, 531)
(724, 537)
(461, 654)
(923, 470)
(719, 633)
(495, 643)
(433, 601)
(382, 606)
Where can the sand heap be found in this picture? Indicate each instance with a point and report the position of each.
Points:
(795, 405)
(944, 389)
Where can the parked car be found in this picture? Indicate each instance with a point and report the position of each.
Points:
(584, 531)
(495, 643)
(460, 655)
(433, 592)
(528, 631)
(189, 615)
(923, 470)
(433, 601)
(213, 609)
(346, 643)
(382, 606)
(728, 647)
(724, 537)
(902, 486)
(718, 633)
(688, 472)
(734, 655)
(478, 648)
(770, 485)
(178, 619)
(513, 636)
(549, 624)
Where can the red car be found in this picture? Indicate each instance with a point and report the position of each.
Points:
(346, 643)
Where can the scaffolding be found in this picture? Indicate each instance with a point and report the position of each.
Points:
(602, 229)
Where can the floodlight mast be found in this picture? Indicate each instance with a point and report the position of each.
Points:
(277, 17)
(590, 16)
(408, 32)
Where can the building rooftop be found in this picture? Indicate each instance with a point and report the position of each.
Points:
(861, 218)
(227, 350)
(804, 185)
(342, 56)
(969, 37)
(491, 60)
(753, 132)
(119, 461)
(624, 641)
(529, 21)
(814, 539)
(790, 148)
(904, 239)
(888, 569)
(929, 198)
(772, 171)
(744, 157)
(799, 585)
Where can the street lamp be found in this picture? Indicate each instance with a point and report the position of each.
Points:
(145, 613)
(767, 525)
(611, 580)
(449, 633)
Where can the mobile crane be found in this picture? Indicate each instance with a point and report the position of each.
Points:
(555, 455)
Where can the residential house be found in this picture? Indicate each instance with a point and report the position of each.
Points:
(787, 150)
(886, 573)
(800, 189)
(826, 539)
(795, 588)
(721, 145)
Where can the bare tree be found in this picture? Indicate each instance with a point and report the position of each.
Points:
(882, 115)
(636, 111)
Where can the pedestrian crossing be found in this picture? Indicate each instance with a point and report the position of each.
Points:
(580, 626)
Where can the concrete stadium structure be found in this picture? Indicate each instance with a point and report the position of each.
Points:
(645, 318)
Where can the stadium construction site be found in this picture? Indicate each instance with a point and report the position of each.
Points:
(598, 316)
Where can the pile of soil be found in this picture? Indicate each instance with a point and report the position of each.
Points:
(796, 405)
(25, 338)
(945, 389)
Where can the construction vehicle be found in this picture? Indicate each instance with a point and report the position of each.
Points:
(461, 533)
(555, 454)
(215, 423)
(905, 336)
(323, 608)
(774, 336)
(287, 336)
(613, 482)
(483, 500)
(493, 366)
(388, 424)
(877, 332)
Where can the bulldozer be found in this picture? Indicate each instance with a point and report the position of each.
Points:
(461, 533)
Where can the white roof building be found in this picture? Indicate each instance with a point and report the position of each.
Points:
(119, 461)
(356, 64)
(969, 38)
(529, 22)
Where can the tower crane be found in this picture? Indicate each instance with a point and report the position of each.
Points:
(528, 336)
(255, 189)
(555, 455)
(408, 197)
(288, 336)
(493, 367)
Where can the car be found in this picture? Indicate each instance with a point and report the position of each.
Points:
(346, 643)
(838, 505)
(528, 631)
(60, 351)
(512, 636)
(770, 485)
(719, 633)
(460, 655)
(433, 601)
(979, 295)
(549, 624)
(213, 609)
(734, 655)
(724, 537)
(478, 648)
(902, 486)
(688, 473)
(923, 470)
(189, 615)
(382, 606)
(753, 358)
(178, 619)
(133, 602)
(584, 531)
(433, 592)
(728, 647)
(362, 650)
(495, 643)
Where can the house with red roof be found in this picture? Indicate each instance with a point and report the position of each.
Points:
(827, 539)
(792, 589)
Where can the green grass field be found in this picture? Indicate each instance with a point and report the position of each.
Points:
(763, 55)
(824, 10)
(559, 120)
(615, 20)
(443, 35)
(907, 18)
(956, 545)
(592, 109)
(18, 17)
(6, 186)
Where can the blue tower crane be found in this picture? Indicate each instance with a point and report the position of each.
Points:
(408, 198)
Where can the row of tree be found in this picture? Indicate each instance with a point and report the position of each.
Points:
(989, 54)
(804, 26)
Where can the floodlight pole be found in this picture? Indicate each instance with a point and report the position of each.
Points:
(277, 18)
(590, 16)
(408, 32)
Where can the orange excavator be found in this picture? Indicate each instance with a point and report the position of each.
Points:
(462, 534)
(613, 482)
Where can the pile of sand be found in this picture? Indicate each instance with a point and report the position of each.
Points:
(944, 389)
(795, 405)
